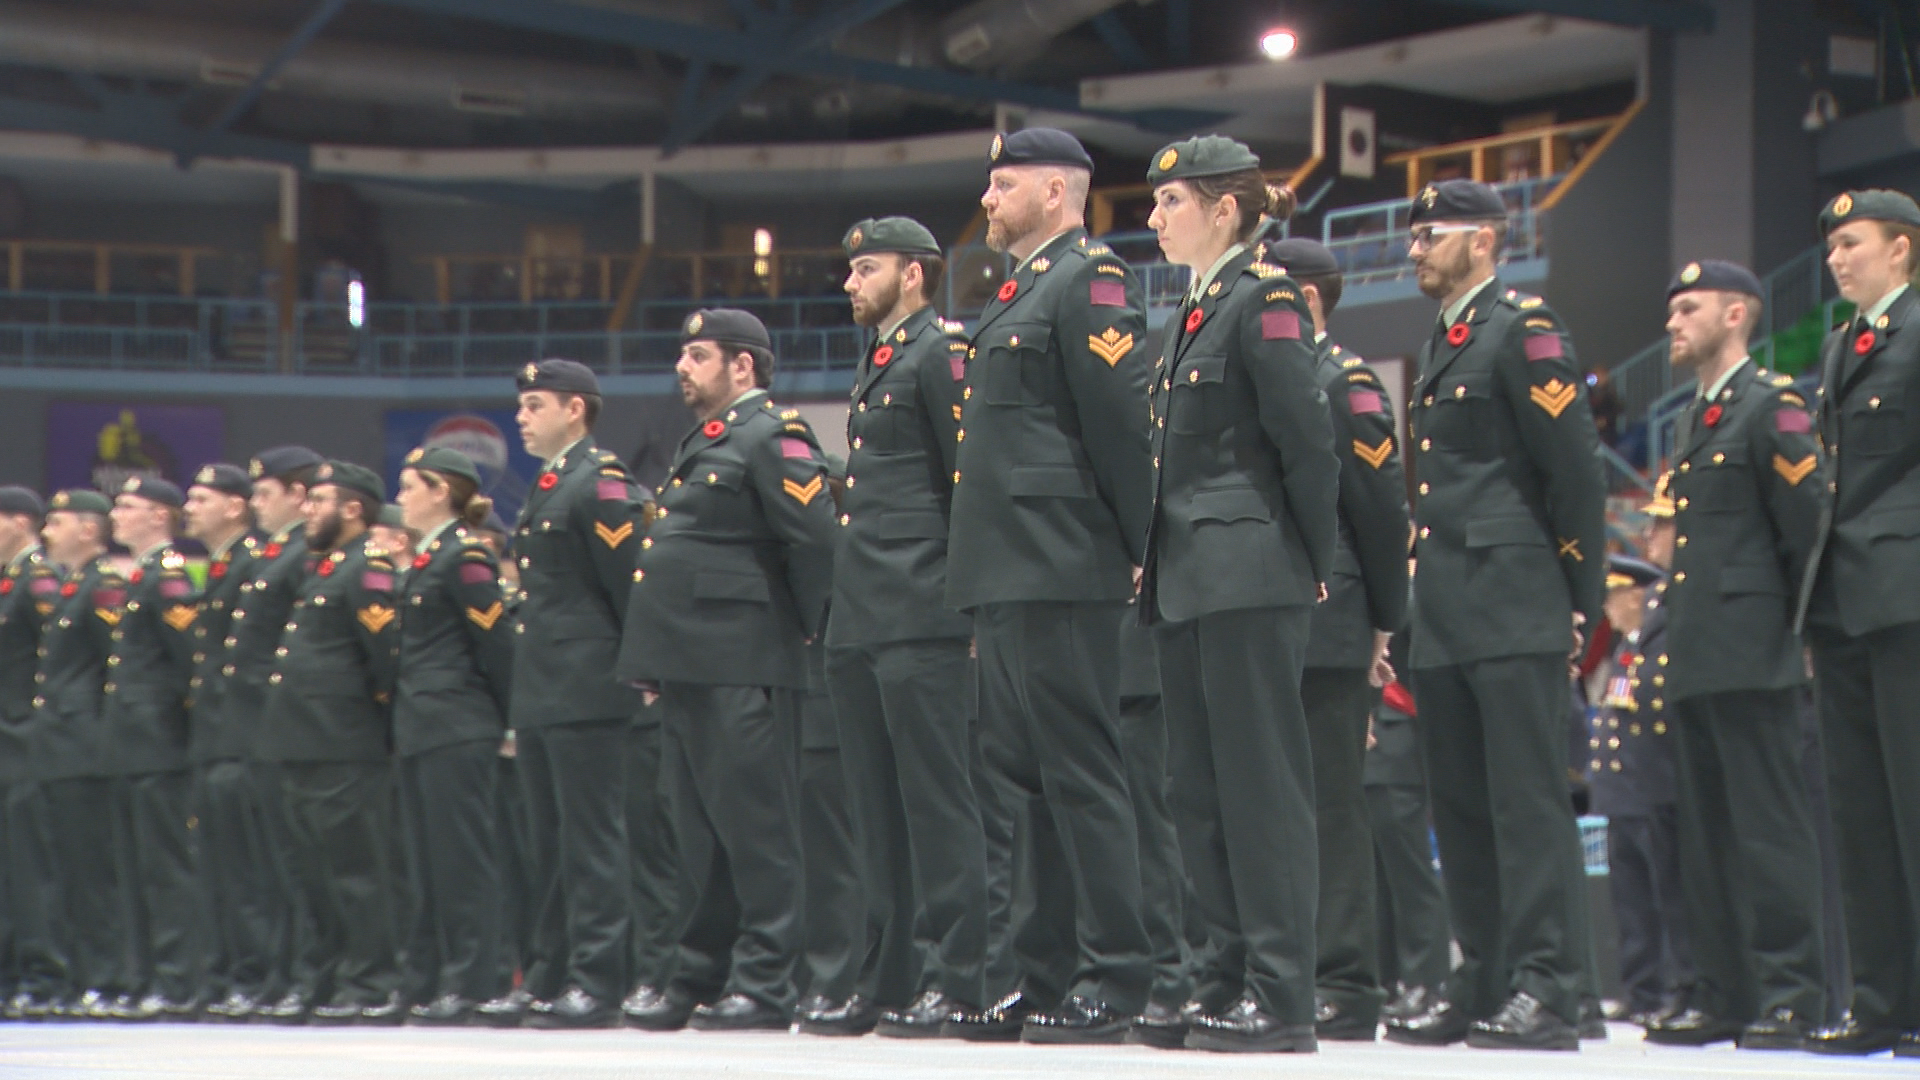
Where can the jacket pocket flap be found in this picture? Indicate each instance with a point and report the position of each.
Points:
(1472, 384)
(1021, 336)
(1201, 370)
(1495, 532)
(720, 585)
(1060, 481)
(913, 525)
(1904, 521)
(726, 474)
(1230, 504)
(1752, 579)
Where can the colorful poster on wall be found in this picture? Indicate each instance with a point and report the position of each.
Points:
(488, 436)
(100, 445)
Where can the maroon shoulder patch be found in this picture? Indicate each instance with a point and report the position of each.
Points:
(44, 586)
(958, 363)
(795, 448)
(377, 581)
(1544, 347)
(610, 490)
(475, 573)
(1280, 325)
(1364, 402)
(109, 597)
(1792, 422)
(1108, 293)
(175, 589)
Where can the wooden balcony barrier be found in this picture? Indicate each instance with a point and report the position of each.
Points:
(1539, 152)
(584, 277)
(103, 256)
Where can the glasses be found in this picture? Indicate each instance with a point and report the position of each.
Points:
(1422, 236)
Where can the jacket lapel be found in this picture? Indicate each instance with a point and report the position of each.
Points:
(1022, 279)
(1444, 352)
(1211, 300)
(1856, 363)
(899, 341)
(581, 451)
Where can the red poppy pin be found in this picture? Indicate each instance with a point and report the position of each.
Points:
(1195, 319)
(69, 589)
(547, 480)
(882, 356)
(134, 578)
(1863, 344)
(421, 560)
(326, 569)
(273, 551)
(1006, 291)
(217, 570)
(1711, 417)
(1457, 334)
(713, 429)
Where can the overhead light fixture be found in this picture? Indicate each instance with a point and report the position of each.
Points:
(1279, 43)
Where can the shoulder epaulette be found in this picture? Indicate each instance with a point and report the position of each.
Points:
(1352, 362)
(1098, 250)
(1265, 270)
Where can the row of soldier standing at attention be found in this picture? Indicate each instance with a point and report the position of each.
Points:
(1044, 717)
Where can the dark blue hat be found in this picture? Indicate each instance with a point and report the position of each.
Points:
(728, 326)
(1717, 275)
(154, 489)
(1457, 200)
(19, 500)
(282, 461)
(224, 478)
(1302, 257)
(1038, 146)
(1625, 570)
(559, 376)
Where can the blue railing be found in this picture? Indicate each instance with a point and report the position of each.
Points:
(1370, 241)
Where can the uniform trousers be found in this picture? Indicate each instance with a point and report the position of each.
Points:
(835, 900)
(1411, 905)
(657, 907)
(90, 918)
(448, 817)
(235, 880)
(167, 906)
(1242, 795)
(1346, 931)
(1868, 689)
(33, 891)
(1049, 705)
(1494, 736)
(1643, 881)
(906, 747)
(339, 815)
(1163, 875)
(292, 942)
(731, 769)
(575, 779)
(519, 898)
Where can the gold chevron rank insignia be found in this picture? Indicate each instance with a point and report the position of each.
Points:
(110, 616)
(485, 619)
(1110, 346)
(181, 617)
(1793, 472)
(1375, 456)
(1553, 397)
(803, 493)
(376, 617)
(613, 536)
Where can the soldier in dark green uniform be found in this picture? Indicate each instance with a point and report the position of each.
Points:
(72, 752)
(1861, 609)
(733, 582)
(146, 722)
(897, 657)
(834, 897)
(456, 657)
(1346, 652)
(238, 923)
(1236, 394)
(328, 725)
(1747, 492)
(571, 717)
(1051, 495)
(1511, 529)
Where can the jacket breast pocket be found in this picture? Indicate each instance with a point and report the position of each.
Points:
(1198, 402)
(913, 525)
(720, 585)
(1049, 481)
(1228, 505)
(721, 473)
(1721, 481)
(898, 406)
(1464, 411)
(1010, 359)
(1879, 425)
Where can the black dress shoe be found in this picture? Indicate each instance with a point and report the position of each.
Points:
(923, 1019)
(139, 1011)
(1079, 1022)
(105, 1008)
(508, 1010)
(738, 1012)
(294, 1008)
(1163, 1027)
(337, 1013)
(1339, 1023)
(1002, 1021)
(657, 1010)
(1523, 1023)
(236, 1008)
(1691, 1027)
(853, 1017)
(1908, 1046)
(389, 1013)
(1247, 1028)
(1593, 1020)
(447, 1010)
(574, 1010)
(1409, 1001)
(1441, 1024)
(1778, 1030)
(1854, 1038)
(33, 1007)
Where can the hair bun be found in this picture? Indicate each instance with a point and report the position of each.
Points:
(478, 507)
(1281, 202)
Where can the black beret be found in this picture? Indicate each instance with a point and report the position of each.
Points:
(224, 478)
(1717, 275)
(1038, 146)
(354, 478)
(1208, 155)
(1457, 200)
(154, 489)
(19, 500)
(391, 516)
(281, 461)
(1625, 570)
(80, 501)
(1302, 257)
(728, 326)
(445, 460)
(895, 234)
(559, 376)
(1873, 204)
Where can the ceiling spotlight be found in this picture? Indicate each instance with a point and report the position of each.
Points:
(1279, 43)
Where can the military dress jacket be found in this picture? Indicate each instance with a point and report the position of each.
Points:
(1053, 485)
(151, 663)
(903, 427)
(268, 591)
(1510, 501)
(576, 542)
(1631, 770)
(737, 567)
(69, 736)
(330, 697)
(456, 647)
(29, 588)
(1367, 590)
(212, 734)
(1246, 484)
(1866, 576)
(1747, 492)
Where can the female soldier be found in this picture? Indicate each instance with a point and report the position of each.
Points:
(1240, 548)
(456, 654)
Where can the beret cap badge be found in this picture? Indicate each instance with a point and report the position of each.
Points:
(255, 469)
(1691, 274)
(694, 323)
(206, 475)
(1169, 159)
(416, 454)
(530, 372)
(855, 238)
(132, 486)
(1843, 205)
(325, 473)
(1429, 195)
(999, 145)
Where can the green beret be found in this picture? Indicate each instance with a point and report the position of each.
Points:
(353, 477)
(1873, 204)
(443, 460)
(901, 235)
(1208, 155)
(391, 516)
(80, 501)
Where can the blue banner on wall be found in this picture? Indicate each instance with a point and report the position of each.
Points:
(488, 436)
